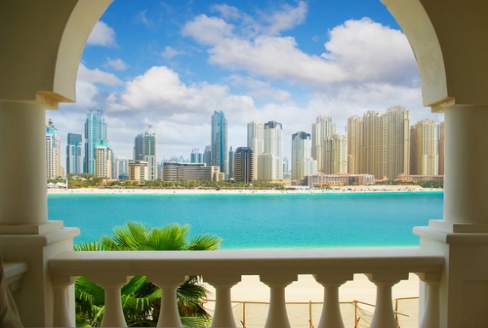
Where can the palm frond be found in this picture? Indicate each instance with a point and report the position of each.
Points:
(206, 242)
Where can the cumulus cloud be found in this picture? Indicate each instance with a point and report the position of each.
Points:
(117, 64)
(97, 76)
(260, 89)
(358, 51)
(170, 52)
(102, 35)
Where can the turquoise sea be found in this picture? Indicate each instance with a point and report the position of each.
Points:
(260, 221)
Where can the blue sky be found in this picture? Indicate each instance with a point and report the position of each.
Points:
(172, 63)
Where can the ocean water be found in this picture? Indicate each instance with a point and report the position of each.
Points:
(247, 221)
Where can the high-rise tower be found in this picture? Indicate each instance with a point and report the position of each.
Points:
(373, 153)
(424, 139)
(231, 162)
(354, 143)
(335, 154)
(255, 141)
(397, 142)
(74, 157)
(322, 128)
(196, 156)
(302, 163)
(244, 164)
(95, 131)
(219, 142)
(150, 152)
(53, 151)
(273, 149)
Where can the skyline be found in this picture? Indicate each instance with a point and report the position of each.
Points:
(148, 63)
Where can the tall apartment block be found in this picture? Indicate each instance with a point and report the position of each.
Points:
(145, 149)
(122, 168)
(95, 131)
(231, 163)
(219, 142)
(244, 164)
(53, 151)
(74, 156)
(354, 144)
(302, 163)
(441, 148)
(373, 160)
(397, 142)
(196, 156)
(335, 154)
(322, 128)
(207, 155)
(424, 139)
(273, 152)
(255, 141)
(103, 160)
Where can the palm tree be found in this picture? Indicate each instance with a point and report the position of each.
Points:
(141, 299)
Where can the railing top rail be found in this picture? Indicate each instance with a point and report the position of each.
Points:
(247, 262)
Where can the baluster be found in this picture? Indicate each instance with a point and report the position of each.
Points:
(113, 315)
(430, 318)
(331, 312)
(277, 316)
(383, 314)
(62, 314)
(223, 315)
(169, 315)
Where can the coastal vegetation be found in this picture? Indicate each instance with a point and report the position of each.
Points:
(141, 299)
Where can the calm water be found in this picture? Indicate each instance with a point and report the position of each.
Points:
(260, 221)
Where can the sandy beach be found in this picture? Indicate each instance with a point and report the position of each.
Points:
(196, 191)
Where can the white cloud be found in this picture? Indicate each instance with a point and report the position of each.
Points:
(102, 35)
(285, 19)
(117, 64)
(170, 52)
(359, 51)
(97, 76)
(141, 17)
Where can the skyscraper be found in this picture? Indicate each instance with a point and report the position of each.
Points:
(373, 159)
(354, 144)
(95, 131)
(397, 142)
(335, 154)
(53, 151)
(145, 149)
(122, 166)
(231, 162)
(207, 155)
(255, 141)
(74, 158)
(273, 146)
(441, 148)
(244, 164)
(103, 160)
(219, 142)
(322, 128)
(196, 156)
(424, 139)
(301, 156)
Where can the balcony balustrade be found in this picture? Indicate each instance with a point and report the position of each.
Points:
(223, 269)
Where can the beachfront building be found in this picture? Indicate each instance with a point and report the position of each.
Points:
(255, 141)
(231, 163)
(74, 154)
(322, 128)
(145, 149)
(320, 179)
(397, 141)
(273, 145)
(441, 148)
(41, 61)
(196, 156)
(207, 155)
(190, 172)
(53, 151)
(334, 156)
(419, 178)
(302, 163)
(219, 142)
(122, 168)
(354, 144)
(244, 164)
(267, 167)
(103, 160)
(95, 131)
(424, 148)
(138, 170)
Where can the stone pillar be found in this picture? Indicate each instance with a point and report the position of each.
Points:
(277, 282)
(25, 233)
(23, 199)
(462, 236)
(223, 315)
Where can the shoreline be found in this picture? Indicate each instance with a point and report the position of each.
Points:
(346, 190)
